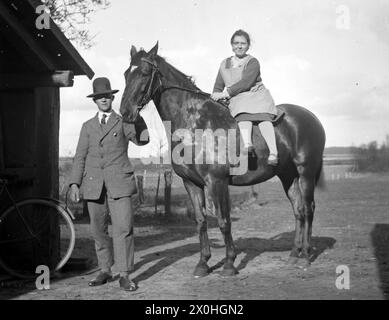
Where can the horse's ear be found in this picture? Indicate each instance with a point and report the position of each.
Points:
(153, 52)
(133, 51)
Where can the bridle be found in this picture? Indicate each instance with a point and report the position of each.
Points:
(155, 74)
(152, 90)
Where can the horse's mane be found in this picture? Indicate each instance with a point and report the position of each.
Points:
(168, 69)
(184, 79)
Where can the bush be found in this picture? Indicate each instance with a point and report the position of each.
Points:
(371, 158)
(65, 167)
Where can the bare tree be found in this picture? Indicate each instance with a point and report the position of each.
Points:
(72, 16)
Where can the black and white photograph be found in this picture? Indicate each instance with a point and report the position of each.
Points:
(204, 151)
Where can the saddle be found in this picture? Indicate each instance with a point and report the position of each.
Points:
(276, 118)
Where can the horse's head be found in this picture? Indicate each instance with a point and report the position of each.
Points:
(141, 82)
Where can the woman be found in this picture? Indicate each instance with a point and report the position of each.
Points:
(239, 81)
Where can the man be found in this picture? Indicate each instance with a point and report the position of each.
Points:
(102, 170)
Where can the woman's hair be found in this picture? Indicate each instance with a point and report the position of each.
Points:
(242, 33)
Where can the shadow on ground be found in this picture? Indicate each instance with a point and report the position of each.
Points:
(169, 229)
(251, 247)
(380, 240)
(178, 229)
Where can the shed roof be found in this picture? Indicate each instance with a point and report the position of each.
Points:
(25, 48)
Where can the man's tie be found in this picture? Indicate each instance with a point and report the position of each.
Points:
(103, 118)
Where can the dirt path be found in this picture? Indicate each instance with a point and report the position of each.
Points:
(351, 228)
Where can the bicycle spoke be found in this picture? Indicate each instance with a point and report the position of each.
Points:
(35, 233)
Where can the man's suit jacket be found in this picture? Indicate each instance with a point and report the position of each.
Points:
(101, 158)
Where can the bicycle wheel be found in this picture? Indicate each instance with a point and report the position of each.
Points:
(35, 232)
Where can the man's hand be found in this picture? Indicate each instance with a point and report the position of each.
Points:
(74, 193)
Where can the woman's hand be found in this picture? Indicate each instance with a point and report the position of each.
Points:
(220, 95)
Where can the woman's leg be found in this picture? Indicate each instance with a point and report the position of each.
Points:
(267, 131)
(246, 127)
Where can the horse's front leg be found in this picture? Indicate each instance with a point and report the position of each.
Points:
(217, 195)
(196, 195)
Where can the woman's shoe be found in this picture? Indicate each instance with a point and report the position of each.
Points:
(251, 151)
(272, 160)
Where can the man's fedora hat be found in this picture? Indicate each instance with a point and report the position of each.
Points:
(101, 86)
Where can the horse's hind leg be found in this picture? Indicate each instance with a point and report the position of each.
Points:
(292, 190)
(217, 194)
(307, 188)
(196, 195)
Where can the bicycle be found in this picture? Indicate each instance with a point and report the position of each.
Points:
(28, 229)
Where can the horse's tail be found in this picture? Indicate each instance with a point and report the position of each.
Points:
(320, 179)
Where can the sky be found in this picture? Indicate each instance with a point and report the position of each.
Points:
(330, 56)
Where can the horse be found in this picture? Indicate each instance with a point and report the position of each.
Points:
(300, 139)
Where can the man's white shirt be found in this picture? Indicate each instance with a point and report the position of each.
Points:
(100, 115)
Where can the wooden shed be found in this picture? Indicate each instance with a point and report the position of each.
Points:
(34, 64)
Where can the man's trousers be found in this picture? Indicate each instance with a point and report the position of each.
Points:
(121, 251)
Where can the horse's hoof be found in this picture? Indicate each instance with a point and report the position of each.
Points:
(201, 271)
(303, 264)
(292, 260)
(229, 272)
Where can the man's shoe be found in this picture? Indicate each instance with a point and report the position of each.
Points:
(102, 278)
(127, 285)
(272, 160)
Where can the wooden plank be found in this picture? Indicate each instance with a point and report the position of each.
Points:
(140, 184)
(24, 41)
(17, 113)
(156, 194)
(54, 79)
(25, 175)
(47, 153)
(54, 170)
(47, 140)
(168, 191)
(2, 160)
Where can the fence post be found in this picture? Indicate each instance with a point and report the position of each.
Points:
(156, 194)
(255, 192)
(168, 189)
(139, 181)
(85, 212)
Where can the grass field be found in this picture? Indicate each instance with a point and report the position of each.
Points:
(179, 197)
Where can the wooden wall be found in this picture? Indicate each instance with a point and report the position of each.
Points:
(29, 123)
(17, 116)
(46, 151)
(29, 146)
